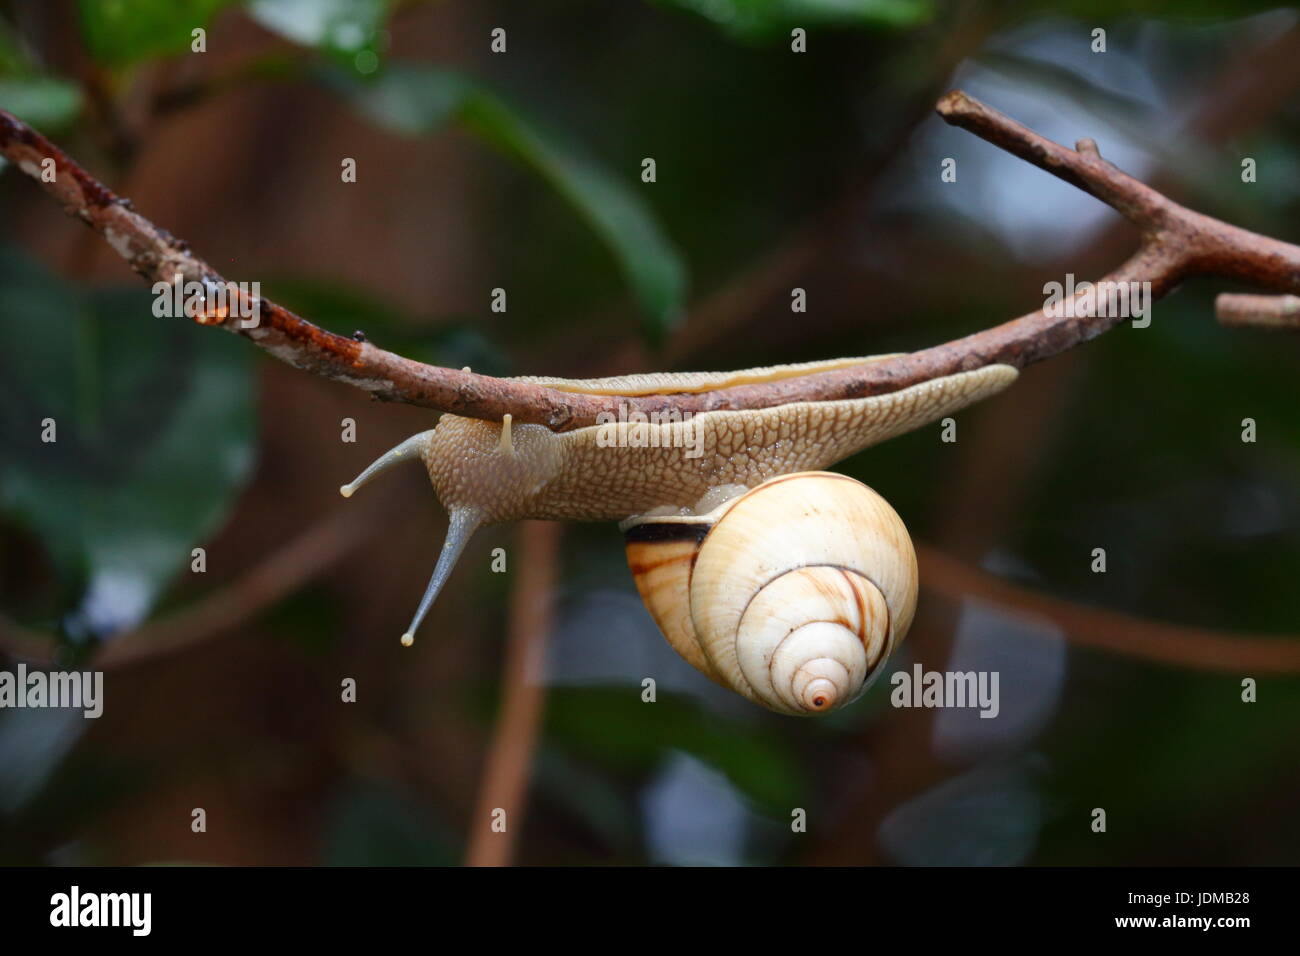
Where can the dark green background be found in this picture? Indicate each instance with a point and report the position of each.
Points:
(173, 437)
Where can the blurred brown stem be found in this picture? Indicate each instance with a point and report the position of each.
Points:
(277, 66)
(1259, 311)
(510, 755)
(1083, 626)
(279, 574)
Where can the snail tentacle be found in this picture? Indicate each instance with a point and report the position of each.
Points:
(410, 449)
(461, 525)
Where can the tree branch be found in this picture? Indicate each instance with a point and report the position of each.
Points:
(1259, 311)
(1176, 243)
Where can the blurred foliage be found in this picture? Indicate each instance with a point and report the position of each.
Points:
(155, 433)
(615, 728)
(157, 424)
(349, 31)
(764, 19)
(41, 100)
(45, 101)
(418, 100)
(371, 825)
(121, 32)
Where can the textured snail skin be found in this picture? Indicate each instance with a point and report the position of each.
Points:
(485, 472)
(793, 594)
(573, 476)
(657, 383)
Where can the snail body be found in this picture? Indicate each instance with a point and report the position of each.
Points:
(609, 472)
(683, 473)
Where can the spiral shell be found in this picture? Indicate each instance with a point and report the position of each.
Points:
(792, 594)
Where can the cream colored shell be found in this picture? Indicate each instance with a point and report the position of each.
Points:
(792, 594)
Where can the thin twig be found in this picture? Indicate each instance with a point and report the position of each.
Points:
(510, 755)
(1176, 243)
(1258, 311)
(278, 574)
(1083, 626)
(273, 67)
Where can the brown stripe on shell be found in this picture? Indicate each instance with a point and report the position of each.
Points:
(862, 607)
(886, 647)
(667, 531)
(639, 567)
(861, 631)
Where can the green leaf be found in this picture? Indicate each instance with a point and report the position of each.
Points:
(415, 100)
(407, 99)
(120, 32)
(12, 59)
(33, 743)
(615, 727)
(372, 825)
(44, 102)
(764, 19)
(154, 432)
(348, 30)
(589, 795)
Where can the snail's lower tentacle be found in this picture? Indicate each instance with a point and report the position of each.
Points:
(461, 525)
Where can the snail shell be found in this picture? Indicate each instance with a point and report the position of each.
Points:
(792, 594)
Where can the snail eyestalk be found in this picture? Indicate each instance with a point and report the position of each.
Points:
(411, 448)
(507, 444)
(461, 525)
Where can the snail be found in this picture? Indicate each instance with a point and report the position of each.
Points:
(784, 583)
